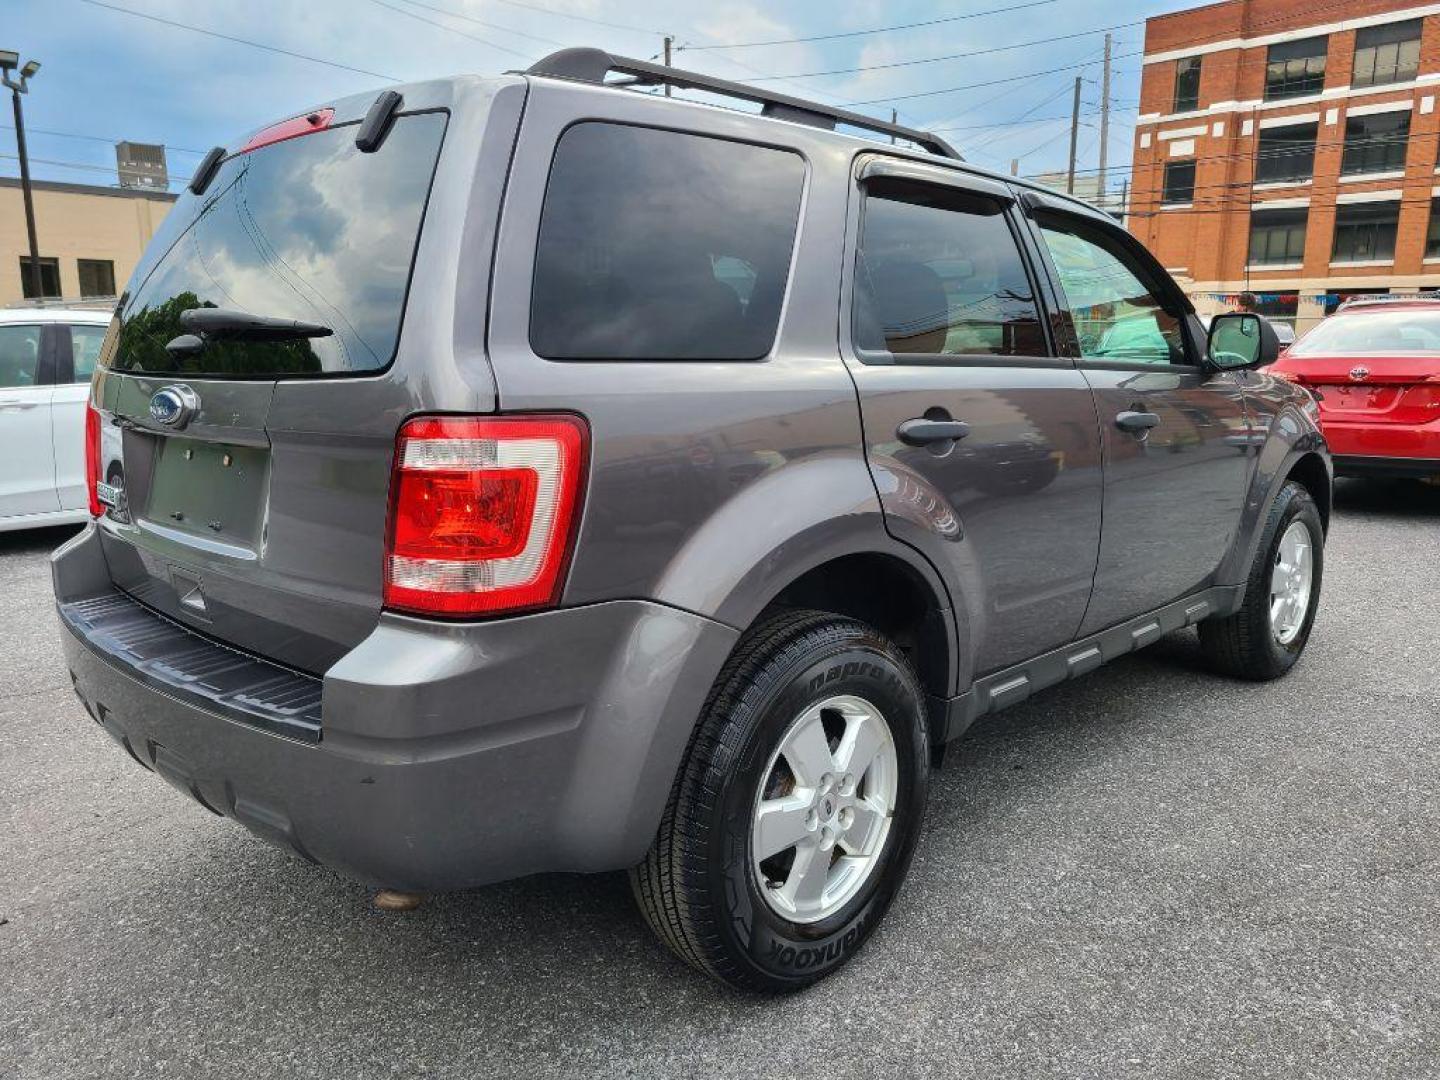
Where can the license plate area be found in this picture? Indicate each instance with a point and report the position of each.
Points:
(210, 490)
(1359, 398)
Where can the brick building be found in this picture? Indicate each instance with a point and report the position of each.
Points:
(1287, 149)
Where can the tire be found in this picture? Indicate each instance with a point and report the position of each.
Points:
(1247, 645)
(700, 888)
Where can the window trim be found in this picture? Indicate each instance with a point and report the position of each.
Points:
(1151, 274)
(872, 166)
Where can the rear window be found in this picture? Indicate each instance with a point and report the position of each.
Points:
(1373, 333)
(661, 246)
(308, 229)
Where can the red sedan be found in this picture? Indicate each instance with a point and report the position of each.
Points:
(1375, 367)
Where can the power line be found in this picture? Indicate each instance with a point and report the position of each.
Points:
(80, 165)
(873, 30)
(94, 138)
(1077, 65)
(462, 33)
(239, 40)
(649, 31)
(950, 56)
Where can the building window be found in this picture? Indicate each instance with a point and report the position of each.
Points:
(1432, 234)
(1179, 183)
(1187, 84)
(1277, 307)
(1295, 68)
(1277, 236)
(1286, 154)
(97, 277)
(1375, 143)
(1387, 54)
(1365, 232)
(49, 278)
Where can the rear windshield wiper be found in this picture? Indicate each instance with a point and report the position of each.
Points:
(206, 323)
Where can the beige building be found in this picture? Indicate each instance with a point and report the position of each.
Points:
(90, 237)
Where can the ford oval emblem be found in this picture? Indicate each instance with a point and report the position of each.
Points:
(173, 406)
(1359, 374)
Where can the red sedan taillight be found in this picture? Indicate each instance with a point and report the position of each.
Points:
(92, 458)
(482, 510)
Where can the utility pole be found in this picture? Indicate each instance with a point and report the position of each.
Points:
(1014, 166)
(669, 42)
(8, 62)
(1104, 120)
(1074, 134)
(894, 119)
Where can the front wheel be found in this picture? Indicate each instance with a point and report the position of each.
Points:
(793, 819)
(1267, 635)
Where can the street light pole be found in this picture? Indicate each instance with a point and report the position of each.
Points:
(8, 63)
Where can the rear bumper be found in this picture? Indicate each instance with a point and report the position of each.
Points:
(449, 755)
(1418, 444)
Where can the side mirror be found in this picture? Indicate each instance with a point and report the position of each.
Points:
(1239, 341)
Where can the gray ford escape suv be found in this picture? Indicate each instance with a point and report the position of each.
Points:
(526, 474)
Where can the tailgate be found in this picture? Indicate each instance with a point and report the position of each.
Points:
(257, 518)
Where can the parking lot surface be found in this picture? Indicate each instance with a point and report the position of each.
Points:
(1150, 872)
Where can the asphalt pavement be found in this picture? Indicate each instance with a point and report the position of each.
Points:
(1150, 872)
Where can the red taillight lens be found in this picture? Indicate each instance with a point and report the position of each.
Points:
(92, 458)
(481, 512)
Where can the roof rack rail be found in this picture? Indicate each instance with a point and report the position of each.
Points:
(592, 65)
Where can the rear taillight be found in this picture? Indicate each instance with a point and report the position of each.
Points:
(482, 510)
(92, 459)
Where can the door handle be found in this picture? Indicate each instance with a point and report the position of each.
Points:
(922, 431)
(16, 406)
(1136, 422)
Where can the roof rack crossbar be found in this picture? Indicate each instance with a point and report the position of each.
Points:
(593, 65)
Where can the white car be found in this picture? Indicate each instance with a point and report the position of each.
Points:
(46, 358)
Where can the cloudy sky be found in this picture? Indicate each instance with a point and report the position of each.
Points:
(996, 76)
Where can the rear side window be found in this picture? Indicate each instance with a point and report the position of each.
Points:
(85, 342)
(308, 229)
(19, 356)
(939, 274)
(660, 246)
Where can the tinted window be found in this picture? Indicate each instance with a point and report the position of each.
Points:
(308, 229)
(1117, 317)
(1365, 232)
(939, 273)
(1277, 236)
(1187, 83)
(660, 246)
(1375, 143)
(1387, 54)
(1295, 68)
(19, 355)
(1179, 182)
(1286, 154)
(85, 342)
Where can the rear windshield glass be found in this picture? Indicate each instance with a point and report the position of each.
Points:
(660, 246)
(308, 229)
(1373, 333)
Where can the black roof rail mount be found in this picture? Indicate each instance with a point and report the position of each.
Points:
(593, 65)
